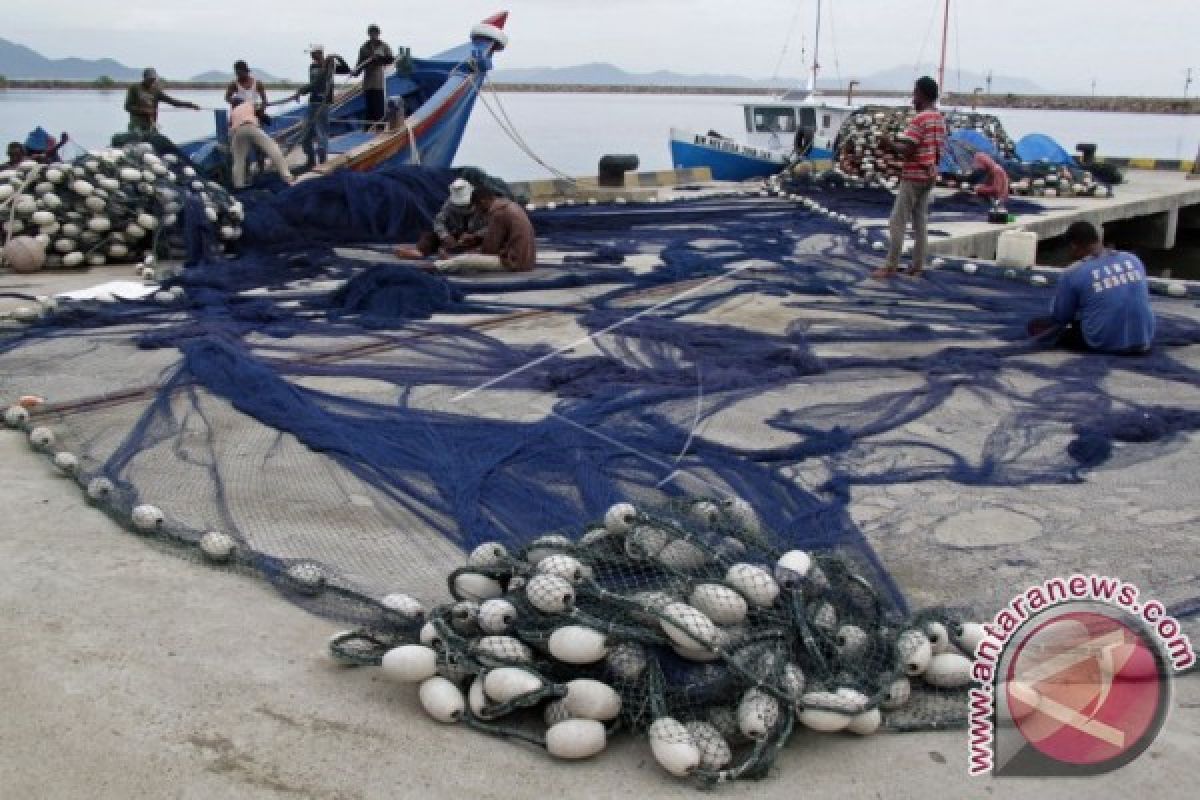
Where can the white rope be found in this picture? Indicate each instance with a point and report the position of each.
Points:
(412, 142)
(510, 130)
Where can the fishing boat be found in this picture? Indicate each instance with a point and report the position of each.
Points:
(429, 105)
(796, 125)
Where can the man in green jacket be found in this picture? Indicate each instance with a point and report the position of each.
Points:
(142, 99)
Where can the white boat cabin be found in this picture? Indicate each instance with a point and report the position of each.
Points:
(806, 126)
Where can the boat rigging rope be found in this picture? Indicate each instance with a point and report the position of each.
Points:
(786, 42)
(510, 130)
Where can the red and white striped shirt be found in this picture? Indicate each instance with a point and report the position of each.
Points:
(927, 133)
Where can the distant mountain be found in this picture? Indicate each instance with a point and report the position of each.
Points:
(901, 78)
(19, 62)
(897, 78)
(219, 76)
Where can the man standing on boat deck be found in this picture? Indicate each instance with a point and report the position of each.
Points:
(246, 86)
(920, 147)
(320, 97)
(1103, 301)
(142, 99)
(374, 57)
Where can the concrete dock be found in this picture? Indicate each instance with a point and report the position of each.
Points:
(132, 673)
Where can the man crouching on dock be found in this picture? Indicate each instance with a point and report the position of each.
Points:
(508, 244)
(1103, 301)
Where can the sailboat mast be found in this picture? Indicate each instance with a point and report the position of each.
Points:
(945, 30)
(816, 48)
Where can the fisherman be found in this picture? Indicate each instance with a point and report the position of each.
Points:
(1103, 301)
(246, 86)
(246, 135)
(373, 59)
(457, 228)
(142, 99)
(16, 154)
(43, 148)
(509, 235)
(995, 180)
(920, 147)
(320, 98)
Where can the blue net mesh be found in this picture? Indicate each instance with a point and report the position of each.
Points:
(356, 424)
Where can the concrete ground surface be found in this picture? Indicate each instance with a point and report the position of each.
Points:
(131, 673)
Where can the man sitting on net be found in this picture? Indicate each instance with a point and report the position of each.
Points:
(457, 228)
(508, 244)
(1103, 300)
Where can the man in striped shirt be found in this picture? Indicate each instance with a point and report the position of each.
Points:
(920, 146)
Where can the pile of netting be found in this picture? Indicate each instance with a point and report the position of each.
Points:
(118, 205)
(347, 427)
(688, 625)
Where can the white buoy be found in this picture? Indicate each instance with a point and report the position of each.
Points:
(757, 714)
(147, 518)
(577, 644)
(851, 641)
(913, 651)
(939, 637)
(897, 695)
(564, 566)
(715, 753)
(673, 747)
(410, 663)
(217, 546)
(66, 463)
(646, 541)
(688, 627)
(970, 268)
(16, 416)
(82, 187)
(429, 635)
(442, 700)
(497, 615)
(1177, 289)
(475, 586)
(620, 518)
(1039, 280)
(41, 438)
(626, 661)
(948, 671)
(550, 594)
(574, 739)
(591, 699)
(865, 722)
(825, 711)
(504, 648)
(488, 554)
(792, 567)
(705, 513)
(99, 489)
(969, 637)
(793, 682)
(306, 576)
(755, 584)
(508, 683)
(544, 546)
(682, 554)
(719, 603)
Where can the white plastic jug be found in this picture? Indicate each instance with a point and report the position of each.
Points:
(1016, 249)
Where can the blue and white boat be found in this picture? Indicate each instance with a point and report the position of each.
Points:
(775, 133)
(797, 125)
(437, 96)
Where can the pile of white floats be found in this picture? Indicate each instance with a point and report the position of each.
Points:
(685, 625)
(108, 206)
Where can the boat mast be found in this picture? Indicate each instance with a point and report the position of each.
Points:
(816, 48)
(942, 63)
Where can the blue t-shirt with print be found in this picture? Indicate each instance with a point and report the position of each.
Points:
(1109, 297)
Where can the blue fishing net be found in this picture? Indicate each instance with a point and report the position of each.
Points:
(356, 424)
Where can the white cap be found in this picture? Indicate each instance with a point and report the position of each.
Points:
(316, 48)
(460, 192)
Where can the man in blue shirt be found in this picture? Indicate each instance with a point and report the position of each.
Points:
(1102, 302)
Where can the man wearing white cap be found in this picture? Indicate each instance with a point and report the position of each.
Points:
(456, 228)
(320, 97)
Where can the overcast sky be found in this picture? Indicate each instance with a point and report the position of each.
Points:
(1132, 48)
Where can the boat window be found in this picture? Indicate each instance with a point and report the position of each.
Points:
(808, 118)
(825, 121)
(774, 120)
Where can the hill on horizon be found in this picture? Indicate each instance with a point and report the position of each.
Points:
(19, 62)
(221, 76)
